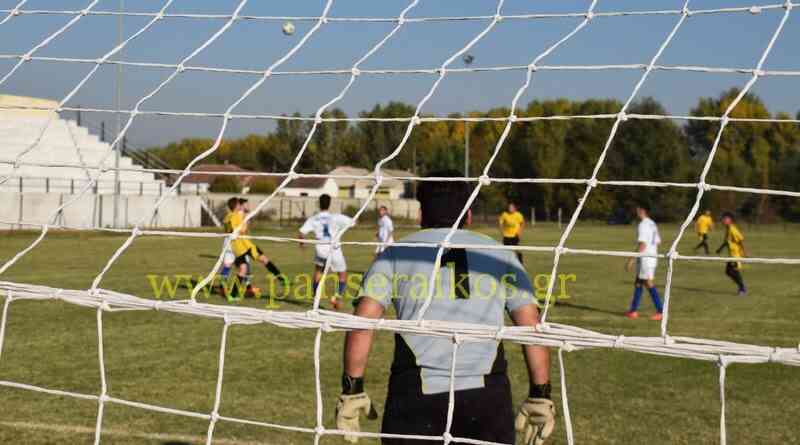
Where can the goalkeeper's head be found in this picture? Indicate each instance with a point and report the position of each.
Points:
(233, 203)
(441, 202)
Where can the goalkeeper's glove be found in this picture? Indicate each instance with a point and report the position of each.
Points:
(351, 404)
(536, 419)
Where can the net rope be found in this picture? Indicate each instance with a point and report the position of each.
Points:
(562, 337)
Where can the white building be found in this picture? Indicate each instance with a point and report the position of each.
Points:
(359, 188)
(54, 163)
(312, 187)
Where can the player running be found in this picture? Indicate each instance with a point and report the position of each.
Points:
(703, 226)
(734, 242)
(385, 229)
(647, 242)
(245, 250)
(418, 387)
(325, 226)
(511, 224)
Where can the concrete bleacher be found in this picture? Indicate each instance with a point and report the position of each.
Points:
(53, 165)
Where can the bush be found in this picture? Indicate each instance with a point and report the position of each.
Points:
(263, 186)
(225, 184)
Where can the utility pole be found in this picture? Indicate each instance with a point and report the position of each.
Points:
(466, 149)
(119, 119)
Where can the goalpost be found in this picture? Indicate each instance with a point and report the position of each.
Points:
(563, 338)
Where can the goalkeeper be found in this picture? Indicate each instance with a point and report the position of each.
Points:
(245, 250)
(487, 283)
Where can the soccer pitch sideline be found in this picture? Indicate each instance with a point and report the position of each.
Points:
(171, 360)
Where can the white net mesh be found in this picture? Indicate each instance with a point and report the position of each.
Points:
(562, 337)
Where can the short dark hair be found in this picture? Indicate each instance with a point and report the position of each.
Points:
(384, 208)
(233, 202)
(441, 202)
(729, 215)
(324, 201)
(643, 205)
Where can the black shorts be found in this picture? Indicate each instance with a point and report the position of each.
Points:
(481, 414)
(511, 241)
(254, 252)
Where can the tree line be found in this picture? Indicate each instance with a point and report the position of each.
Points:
(749, 154)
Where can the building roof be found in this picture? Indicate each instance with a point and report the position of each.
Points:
(204, 173)
(307, 183)
(387, 173)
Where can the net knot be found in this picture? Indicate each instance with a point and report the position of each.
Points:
(415, 120)
(268, 73)
(498, 335)
(774, 355)
(672, 255)
(104, 306)
(15, 12)
(485, 180)
(84, 12)
(317, 119)
(589, 16)
(703, 186)
(401, 20)
(592, 183)
(723, 361)
(542, 327)
(498, 18)
(324, 20)
(532, 67)
(160, 15)
(669, 340)
(512, 118)
(755, 10)
(686, 11)
(355, 71)
(319, 430)
(214, 417)
(26, 57)
(759, 72)
(567, 346)
(447, 437)
(622, 116)
(619, 342)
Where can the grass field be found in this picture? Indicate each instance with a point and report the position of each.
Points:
(170, 360)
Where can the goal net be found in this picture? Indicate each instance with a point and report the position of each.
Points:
(562, 338)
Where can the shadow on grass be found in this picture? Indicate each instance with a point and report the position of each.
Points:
(583, 307)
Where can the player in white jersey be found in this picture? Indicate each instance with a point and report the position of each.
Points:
(475, 286)
(325, 226)
(647, 241)
(385, 229)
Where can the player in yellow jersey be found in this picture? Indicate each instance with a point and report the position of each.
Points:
(511, 224)
(703, 226)
(245, 250)
(734, 242)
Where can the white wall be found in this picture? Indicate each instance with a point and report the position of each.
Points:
(92, 211)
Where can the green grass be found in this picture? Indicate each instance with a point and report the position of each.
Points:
(170, 360)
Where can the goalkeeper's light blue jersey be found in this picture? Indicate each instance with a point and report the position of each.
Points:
(474, 286)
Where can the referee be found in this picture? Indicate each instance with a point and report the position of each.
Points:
(474, 285)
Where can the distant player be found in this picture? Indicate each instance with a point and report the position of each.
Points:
(385, 229)
(419, 384)
(647, 241)
(511, 224)
(245, 250)
(325, 226)
(703, 226)
(734, 242)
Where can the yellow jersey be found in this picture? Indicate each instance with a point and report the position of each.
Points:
(511, 224)
(735, 240)
(232, 221)
(704, 224)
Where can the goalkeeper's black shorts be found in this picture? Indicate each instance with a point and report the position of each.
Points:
(482, 414)
(253, 252)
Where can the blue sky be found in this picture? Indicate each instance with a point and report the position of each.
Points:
(719, 40)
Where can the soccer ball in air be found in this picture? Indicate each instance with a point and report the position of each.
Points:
(288, 28)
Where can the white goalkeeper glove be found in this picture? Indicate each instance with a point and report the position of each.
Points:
(535, 420)
(348, 409)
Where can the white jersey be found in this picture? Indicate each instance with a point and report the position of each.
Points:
(326, 226)
(647, 233)
(385, 229)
